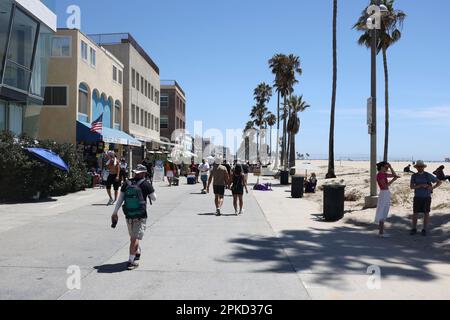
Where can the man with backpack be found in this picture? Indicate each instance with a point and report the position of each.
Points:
(133, 196)
(423, 184)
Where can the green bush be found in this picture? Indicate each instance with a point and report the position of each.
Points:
(23, 176)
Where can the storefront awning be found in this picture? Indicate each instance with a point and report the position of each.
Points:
(108, 135)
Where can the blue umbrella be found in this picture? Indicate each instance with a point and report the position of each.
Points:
(49, 157)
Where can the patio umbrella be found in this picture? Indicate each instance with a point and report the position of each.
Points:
(307, 167)
(49, 157)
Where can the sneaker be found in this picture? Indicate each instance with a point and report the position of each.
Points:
(237, 212)
(424, 232)
(218, 213)
(413, 232)
(110, 202)
(132, 265)
(242, 211)
(138, 257)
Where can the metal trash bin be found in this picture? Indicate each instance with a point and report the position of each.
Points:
(333, 202)
(284, 178)
(297, 189)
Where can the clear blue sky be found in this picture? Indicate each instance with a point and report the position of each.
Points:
(218, 51)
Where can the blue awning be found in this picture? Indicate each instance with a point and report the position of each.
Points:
(108, 135)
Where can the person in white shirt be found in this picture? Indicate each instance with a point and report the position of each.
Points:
(204, 171)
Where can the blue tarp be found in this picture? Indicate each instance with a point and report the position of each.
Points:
(108, 135)
(49, 157)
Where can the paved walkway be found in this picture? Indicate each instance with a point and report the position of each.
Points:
(188, 252)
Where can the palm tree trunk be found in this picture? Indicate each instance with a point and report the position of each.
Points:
(270, 152)
(386, 84)
(292, 152)
(278, 135)
(284, 147)
(331, 170)
(288, 149)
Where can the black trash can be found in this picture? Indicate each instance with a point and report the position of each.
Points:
(333, 202)
(298, 184)
(284, 178)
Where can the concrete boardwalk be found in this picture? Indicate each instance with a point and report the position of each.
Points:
(188, 252)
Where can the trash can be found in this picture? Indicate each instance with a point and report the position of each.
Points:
(297, 188)
(284, 178)
(333, 202)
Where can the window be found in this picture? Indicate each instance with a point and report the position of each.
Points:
(157, 97)
(84, 51)
(164, 122)
(133, 113)
(61, 47)
(142, 117)
(164, 101)
(114, 73)
(55, 96)
(142, 85)
(133, 78)
(117, 115)
(137, 115)
(120, 76)
(138, 77)
(152, 122)
(152, 92)
(146, 119)
(15, 122)
(146, 88)
(149, 90)
(157, 124)
(149, 121)
(93, 57)
(2, 116)
(5, 9)
(83, 99)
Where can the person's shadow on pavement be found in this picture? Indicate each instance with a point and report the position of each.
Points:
(112, 268)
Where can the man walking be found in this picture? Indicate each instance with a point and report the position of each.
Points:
(113, 180)
(133, 195)
(422, 184)
(204, 170)
(220, 179)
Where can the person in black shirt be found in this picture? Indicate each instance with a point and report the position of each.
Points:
(135, 192)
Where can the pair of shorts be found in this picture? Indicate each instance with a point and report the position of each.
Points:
(219, 190)
(136, 228)
(204, 178)
(112, 181)
(422, 205)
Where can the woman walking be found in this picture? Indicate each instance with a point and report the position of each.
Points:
(384, 201)
(238, 186)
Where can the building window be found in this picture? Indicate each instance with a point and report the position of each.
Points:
(157, 97)
(55, 96)
(164, 122)
(142, 117)
(117, 115)
(61, 47)
(120, 76)
(83, 98)
(84, 51)
(142, 85)
(114, 73)
(137, 115)
(133, 113)
(2, 116)
(138, 77)
(157, 124)
(93, 57)
(149, 90)
(152, 122)
(15, 122)
(146, 88)
(152, 93)
(164, 101)
(133, 78)
(149, 120)
(146, 119)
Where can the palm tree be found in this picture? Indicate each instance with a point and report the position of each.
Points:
(258, 114)
(331, 172)
(391, 24)
(296, 105)
(271, 120)
(262, 95)
(249, 130)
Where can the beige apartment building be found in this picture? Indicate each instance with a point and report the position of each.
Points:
(85, 82)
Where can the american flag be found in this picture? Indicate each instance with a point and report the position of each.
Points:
(97, 125)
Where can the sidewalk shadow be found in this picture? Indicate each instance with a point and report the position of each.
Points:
(213, 214)
(112, 268)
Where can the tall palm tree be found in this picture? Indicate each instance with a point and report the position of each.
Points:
(262, 95)
(390, 33)
(258, 114)
(271, 120)
(296, 105)
(331, 172)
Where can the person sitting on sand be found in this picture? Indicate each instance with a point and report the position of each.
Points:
(311, 184)
(439, 173)
(408, 169)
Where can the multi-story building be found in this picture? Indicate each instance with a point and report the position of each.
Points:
(173, 109)
(85, 82)
(26, 27)
(141, 90)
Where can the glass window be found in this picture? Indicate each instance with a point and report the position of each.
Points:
(16, 76)
(61, 46)
(142, 85)
(107, 112)
(157, 124)
(138, 77)
(152, 92)
(2, 116)
(15, 122)
(149, 90)
(146, 88)
(84, 51)
(164, 122)
(164, 101)
(149, 121)
(23, 36)
(152, 122)
(40, 71)
(117, 115)
(93, 57)
(146, 119)
(133, 113)
(157, 97)
(114, 73)
(120, 76)
(142, 117)
(133, 78)
(5, 18)
(55, 96)
(137, 115)
(83, 98)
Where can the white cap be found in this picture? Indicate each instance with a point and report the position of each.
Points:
(218, 160)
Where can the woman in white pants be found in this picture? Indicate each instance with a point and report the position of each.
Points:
(384, 200)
